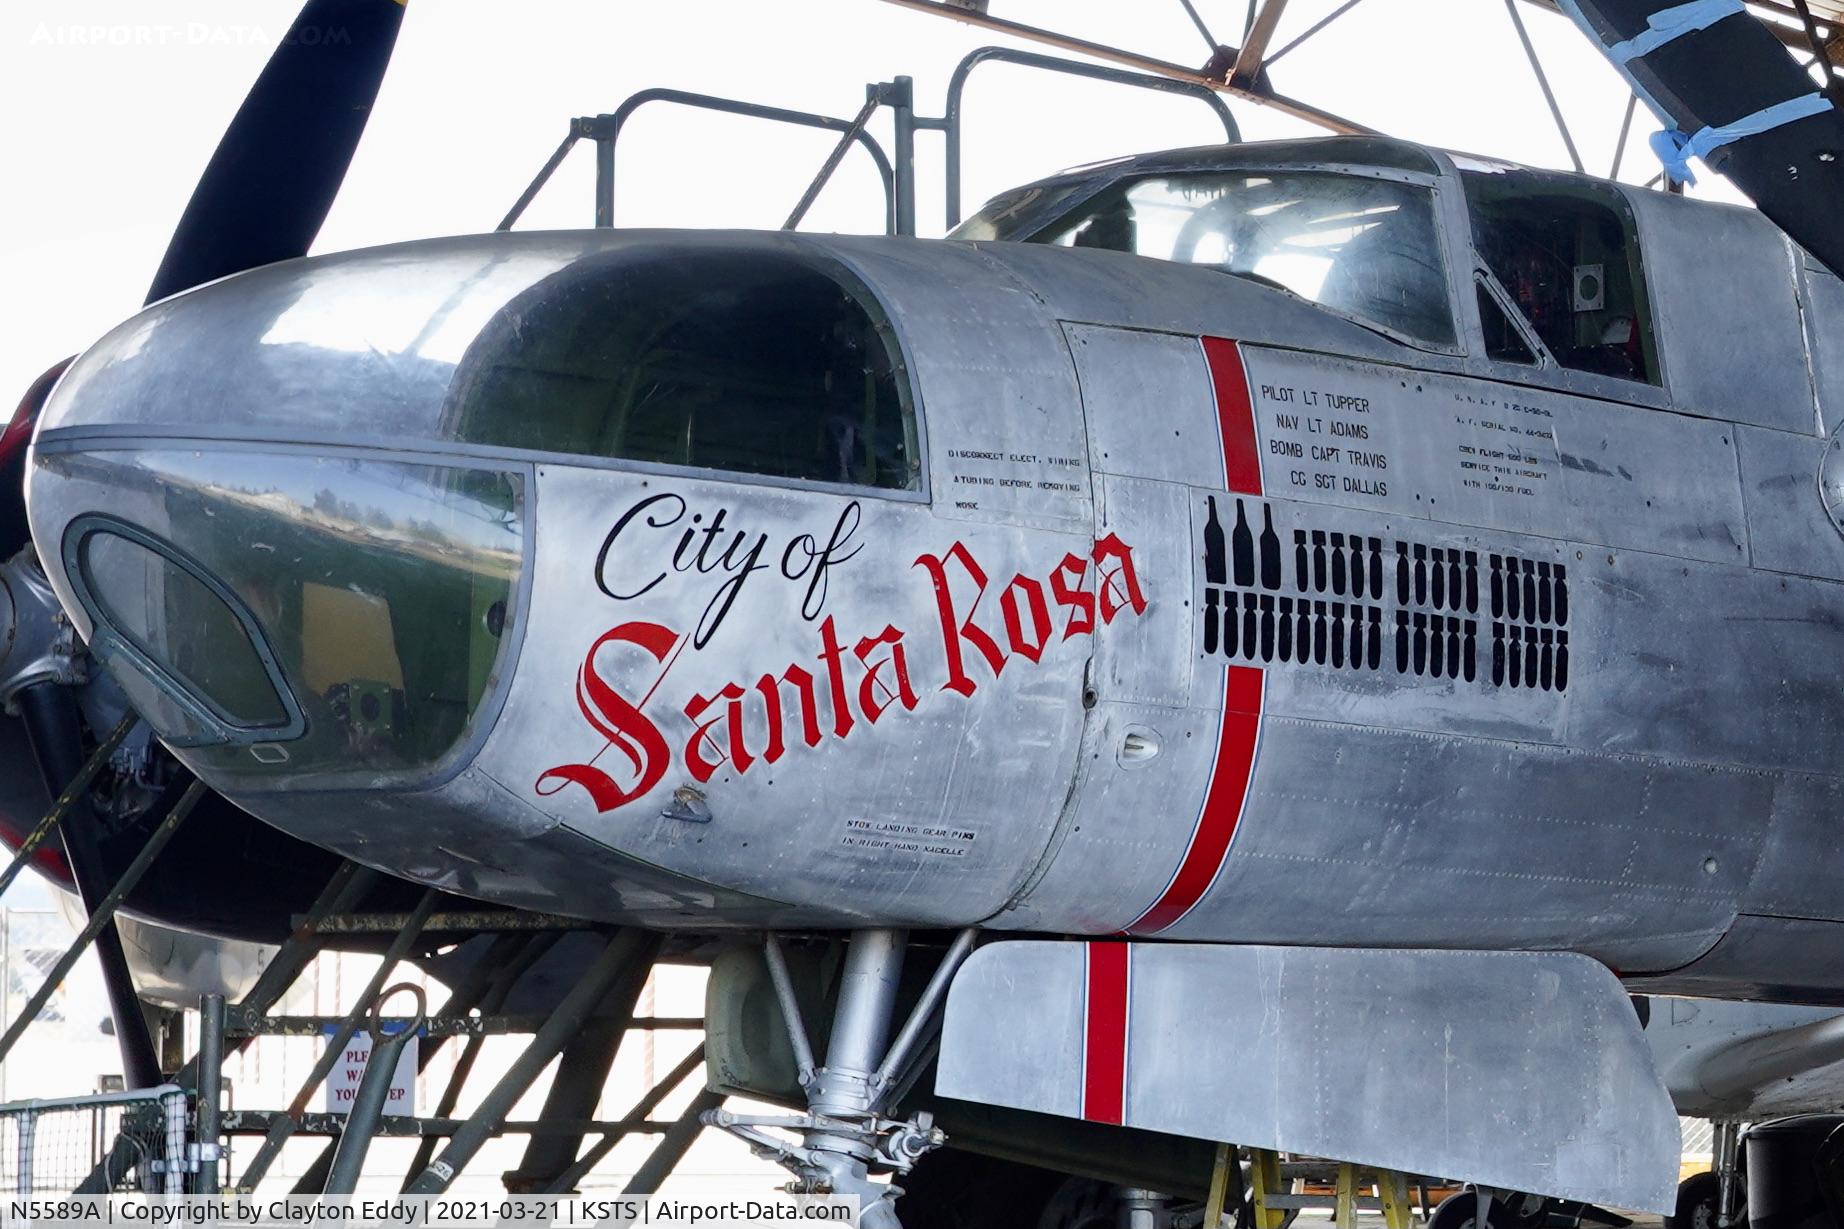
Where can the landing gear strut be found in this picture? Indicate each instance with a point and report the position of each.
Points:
(1717, 1198)
(844, 1134)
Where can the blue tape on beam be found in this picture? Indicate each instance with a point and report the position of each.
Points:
(1673, 23)
(1675, 149)
(1575, 14)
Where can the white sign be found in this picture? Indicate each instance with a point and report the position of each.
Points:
(342, 1081)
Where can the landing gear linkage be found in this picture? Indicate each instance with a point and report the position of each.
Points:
(844, 1133)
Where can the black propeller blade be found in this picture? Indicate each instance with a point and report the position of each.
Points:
(268, 188)
(263, 198)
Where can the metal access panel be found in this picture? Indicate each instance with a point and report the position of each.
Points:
(1724, 296)
(1524, 1070)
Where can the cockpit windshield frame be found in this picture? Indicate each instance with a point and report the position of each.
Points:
(1038, 209)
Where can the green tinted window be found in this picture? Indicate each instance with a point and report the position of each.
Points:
(383, 595)
(747, 361)
(1365, 248)
(182, 626)
(1565, 251)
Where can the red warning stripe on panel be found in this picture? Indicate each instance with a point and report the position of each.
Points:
(1104, 1049)
(1235, 416)
(1238, 739)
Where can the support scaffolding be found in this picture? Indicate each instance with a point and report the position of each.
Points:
(583, 1030)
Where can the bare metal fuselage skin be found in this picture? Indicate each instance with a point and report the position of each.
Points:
(1569, 681)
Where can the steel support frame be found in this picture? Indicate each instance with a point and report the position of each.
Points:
(1549, 95)
(639, 1119)
(1247, 68)
(515, 957)
(103, 916)
(61, 806)
(286, 1124)
(345, 888)
(331, 1125)
(576, 1089)
(628, 958)
(1141, 63)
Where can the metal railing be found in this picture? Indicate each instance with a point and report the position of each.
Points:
(896, 169)
(115, 1141)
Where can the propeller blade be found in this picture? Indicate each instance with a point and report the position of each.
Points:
(268, 188)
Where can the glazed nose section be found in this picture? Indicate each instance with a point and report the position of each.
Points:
(286, 618)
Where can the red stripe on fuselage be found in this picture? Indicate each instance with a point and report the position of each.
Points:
(1104, 1049)
(1224, 800)
(1235, 416)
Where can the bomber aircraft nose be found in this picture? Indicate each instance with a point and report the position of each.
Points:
(294, 513)
(230, 497)
(334, 619)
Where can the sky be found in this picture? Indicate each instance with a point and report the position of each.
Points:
(112, 108)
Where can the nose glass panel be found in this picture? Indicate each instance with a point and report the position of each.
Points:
(174, 620)
(382, 594)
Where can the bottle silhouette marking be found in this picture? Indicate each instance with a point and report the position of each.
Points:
(1242, 549)
(1216, 560)
(1270, 550)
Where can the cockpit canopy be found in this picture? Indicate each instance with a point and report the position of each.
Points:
(1358, 226)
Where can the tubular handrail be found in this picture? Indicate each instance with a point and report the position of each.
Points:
(605, 131)
(950, 122)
